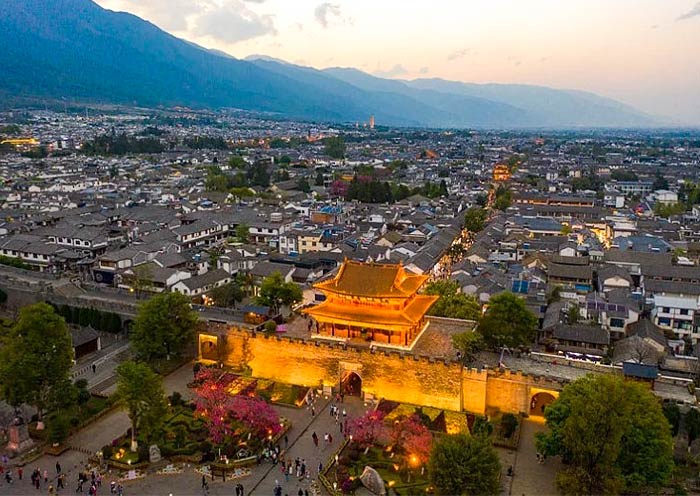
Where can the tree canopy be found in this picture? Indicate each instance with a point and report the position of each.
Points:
(164, 326)
(140, 392)
(452, 303)
(227, 295)
(335, 147)
(507, 322)
(475, 219)
(612, 435)
(275, 291)
(36, 355)
(464, 465)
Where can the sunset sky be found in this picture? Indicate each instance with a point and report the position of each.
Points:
(642, 52)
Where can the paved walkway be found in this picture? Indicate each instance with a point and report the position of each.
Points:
(531, 477)
(301, 445)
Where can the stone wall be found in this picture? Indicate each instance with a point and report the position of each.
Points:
(391, 376)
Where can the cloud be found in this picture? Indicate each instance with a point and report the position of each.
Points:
(458, 54)
(693, 12)
(397, 70)
(233, 22)
(170, 15)
(326, 13)
(424, 70)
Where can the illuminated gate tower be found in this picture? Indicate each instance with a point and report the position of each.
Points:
(374, 302)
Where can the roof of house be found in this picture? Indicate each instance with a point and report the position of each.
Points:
(560, 271)
(206, 279)
(82, 335)
(610, 271)
(581, 333)
(640, 370)
(645, 328)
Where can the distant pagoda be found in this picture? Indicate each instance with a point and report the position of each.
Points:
(375, 302)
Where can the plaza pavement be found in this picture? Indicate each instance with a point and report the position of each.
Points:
(262, 480)
(531, 477)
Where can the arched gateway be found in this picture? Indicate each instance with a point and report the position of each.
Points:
(351, 384)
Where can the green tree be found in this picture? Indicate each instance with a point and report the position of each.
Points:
(475, 219)
(464, 465)
(242, 233)
(36, 355)
(258, 175)
(275, 291)
(573, 315)
(508, 322)
(227, 295)
(452, 303)
(468, 344)
(335, 147)
(141, 278)
(660, 181)
(140, 392)
(237, 162)
(612, 436)
(503, 199)
(303, 185)
(164, 326)
(319, 178)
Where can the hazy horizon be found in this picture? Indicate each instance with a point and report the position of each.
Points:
(639, 52)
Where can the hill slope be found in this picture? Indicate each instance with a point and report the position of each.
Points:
(76, 50)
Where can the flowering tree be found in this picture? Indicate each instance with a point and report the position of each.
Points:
(213, 402)
(368, 429)
(413, 439)
(220, 409)
(256, 415)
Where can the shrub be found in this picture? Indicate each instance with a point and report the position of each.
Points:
(107, 451)
(176, 399)
(74, 421)
(270, 327)
(58, 429)
(143, 452)
(509, 423)
(81, 383)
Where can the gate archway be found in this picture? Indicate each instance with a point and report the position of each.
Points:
(351, 384)
(539, 402)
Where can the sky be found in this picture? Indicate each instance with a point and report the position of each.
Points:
(645, 53)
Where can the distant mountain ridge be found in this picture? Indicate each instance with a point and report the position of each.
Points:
(75, 49)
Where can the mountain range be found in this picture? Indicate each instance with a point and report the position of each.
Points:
(76, 50)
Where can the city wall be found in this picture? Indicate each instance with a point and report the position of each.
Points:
(389, 375)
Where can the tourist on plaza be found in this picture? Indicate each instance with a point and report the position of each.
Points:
(315, 438)
(59, 481)
(52, 492)
(58, 468)
(19, 472)
(286, 441)
(8, 476)
(46, 476)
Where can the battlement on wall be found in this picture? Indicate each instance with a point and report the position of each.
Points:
(349, 349)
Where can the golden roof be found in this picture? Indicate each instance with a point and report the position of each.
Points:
(373, 280)
(369, 316)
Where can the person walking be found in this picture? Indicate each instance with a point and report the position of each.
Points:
(19, 472)
(58, 468)
(315, 439)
